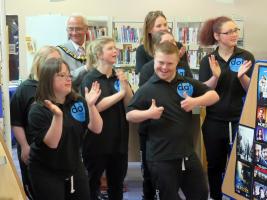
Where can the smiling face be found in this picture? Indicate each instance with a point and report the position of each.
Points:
(165, 65)
(160, 24)
(62, 82)
(228, 35)
(76, 29)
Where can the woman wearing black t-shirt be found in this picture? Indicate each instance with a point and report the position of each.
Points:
(108, 151)
(227, 70)
(58, 122)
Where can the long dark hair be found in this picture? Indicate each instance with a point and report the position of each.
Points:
(45, 89)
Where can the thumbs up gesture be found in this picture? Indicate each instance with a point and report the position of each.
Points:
(155, 112)
(188, 103)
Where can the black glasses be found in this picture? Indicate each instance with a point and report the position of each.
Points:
(66, 76)
(231, 32)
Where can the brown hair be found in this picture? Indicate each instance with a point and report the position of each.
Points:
(38, 60)
(167, 48)
(45, 89)
(148, 25)
(210, 27)
(156, 37)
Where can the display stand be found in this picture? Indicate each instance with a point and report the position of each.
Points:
(10, 185)
(248, 119)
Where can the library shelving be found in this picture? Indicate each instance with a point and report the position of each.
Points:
(127, 35)
(98, 26)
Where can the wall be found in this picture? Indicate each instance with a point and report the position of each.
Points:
(252, 13)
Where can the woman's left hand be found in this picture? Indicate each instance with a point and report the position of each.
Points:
(244, 68)
(92, 96)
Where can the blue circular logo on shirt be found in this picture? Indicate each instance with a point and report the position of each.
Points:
(78, 112)
(235, 64)
(181, 71)
(117, 85)
(185, 87)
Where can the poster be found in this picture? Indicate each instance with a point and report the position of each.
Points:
(13, 35)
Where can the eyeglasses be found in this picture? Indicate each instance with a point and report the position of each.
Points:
(66, 76)
(75, 29)
(231, 32)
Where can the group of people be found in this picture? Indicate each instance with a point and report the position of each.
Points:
(70, 117)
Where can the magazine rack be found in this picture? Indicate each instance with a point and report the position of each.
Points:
(248, 118)
(10, 185)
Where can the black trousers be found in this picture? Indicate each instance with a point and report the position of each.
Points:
(216, 140)
(115, 166)
(148, 190)
(50, 185)
(168, 177)
(25, 176)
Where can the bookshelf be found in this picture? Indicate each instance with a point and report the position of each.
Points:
(187, 33)
(128, 36)
(98, 26)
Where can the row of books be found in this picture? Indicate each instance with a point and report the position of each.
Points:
(187, 35)
(126, 56)
(132, 77)
(96, 31)
(195, 56)
(127, 34)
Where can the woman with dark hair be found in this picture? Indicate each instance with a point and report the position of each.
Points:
(19, 108)
(227, 70)
(58, 122)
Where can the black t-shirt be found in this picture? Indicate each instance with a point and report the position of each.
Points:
(115, 131)
(66, 157)
(20, 105)
(229, 88)
(171, 136)
(142, 57)
(148, 70)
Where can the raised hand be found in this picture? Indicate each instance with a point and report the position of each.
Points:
(92, 96)
(244, 68)
(53, 108)
(188, 103)
(214, 66)
(155, 112)
(123, 80)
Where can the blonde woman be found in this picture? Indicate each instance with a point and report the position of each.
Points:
(107, 151)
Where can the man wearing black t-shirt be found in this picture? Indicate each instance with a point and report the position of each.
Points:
(165, 102)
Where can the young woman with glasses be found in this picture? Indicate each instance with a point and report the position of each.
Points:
(58, 122)
(228, 71)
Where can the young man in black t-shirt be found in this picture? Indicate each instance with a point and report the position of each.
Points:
(165, 102)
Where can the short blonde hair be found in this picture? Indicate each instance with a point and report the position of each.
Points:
(39, 58)
(94, 49)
